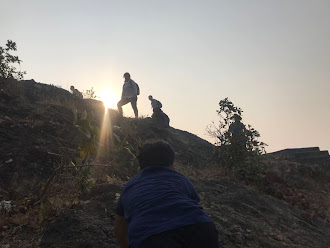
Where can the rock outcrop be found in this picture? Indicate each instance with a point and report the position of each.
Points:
(306, 155)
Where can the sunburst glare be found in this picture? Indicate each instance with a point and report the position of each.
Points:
(109, 98)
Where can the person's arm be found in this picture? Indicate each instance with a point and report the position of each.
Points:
(121, 231)
(192, 191)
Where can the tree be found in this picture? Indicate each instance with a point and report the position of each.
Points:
(7, 69)
(237, 145)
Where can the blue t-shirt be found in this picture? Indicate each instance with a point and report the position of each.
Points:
(157, 200)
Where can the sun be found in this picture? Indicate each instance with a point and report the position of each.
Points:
(109, 98)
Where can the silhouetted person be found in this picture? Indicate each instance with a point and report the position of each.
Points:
(238, 132)
(158, 112)
(155, 104)
(159, 206)
(76, 92)
(129, 94)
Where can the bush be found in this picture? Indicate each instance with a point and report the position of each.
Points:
(237, 145)
(7, 70)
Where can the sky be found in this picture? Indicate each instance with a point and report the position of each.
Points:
(270, 58)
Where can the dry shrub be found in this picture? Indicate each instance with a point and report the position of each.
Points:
(68, 103)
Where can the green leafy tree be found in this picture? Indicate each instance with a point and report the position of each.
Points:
(237, 145)
(7, 61)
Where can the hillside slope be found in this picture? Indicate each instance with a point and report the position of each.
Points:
(242, 217)
(38, 135)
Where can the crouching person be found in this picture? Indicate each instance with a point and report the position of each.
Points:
(158, 112)
(76, 92)
(159, 206)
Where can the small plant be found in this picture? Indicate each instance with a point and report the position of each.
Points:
(126, 150)
(7, 70)
(89, 94)
(87, 148)
(79, 170)
(126, 143)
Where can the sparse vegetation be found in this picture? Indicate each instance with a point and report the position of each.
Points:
(89, 94)
(237, 145)
(126, 147)
(87, 149)
(302, 185)
(8, 61)
(65, 143)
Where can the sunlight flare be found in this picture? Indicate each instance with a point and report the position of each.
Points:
(109, 98)
(105, 137)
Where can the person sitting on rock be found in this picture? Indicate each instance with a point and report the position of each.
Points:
(159, 207)
(158, 112)
(76, 92)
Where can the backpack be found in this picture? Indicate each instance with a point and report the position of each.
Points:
(137, 87)
(159, 104)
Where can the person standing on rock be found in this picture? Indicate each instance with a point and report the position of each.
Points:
(159, 206)
(129, 94)
(238, 132)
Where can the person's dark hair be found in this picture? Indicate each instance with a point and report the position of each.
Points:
(126, 74)
(156, 153)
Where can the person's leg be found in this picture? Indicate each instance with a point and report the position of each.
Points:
(156, 113)
(163, 240)
(157, 110)
(200, 235)
(134, 105)
(165, 119)
(192, 236)
(121, 103)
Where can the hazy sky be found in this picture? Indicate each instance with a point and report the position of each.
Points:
(271, 58)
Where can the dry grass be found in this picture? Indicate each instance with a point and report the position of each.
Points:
(210, 171)
(304, 186)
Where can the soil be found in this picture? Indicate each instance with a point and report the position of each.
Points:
(243, 219)
(38, 134)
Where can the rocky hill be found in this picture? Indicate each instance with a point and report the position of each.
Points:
(43, 198)
(306, 155)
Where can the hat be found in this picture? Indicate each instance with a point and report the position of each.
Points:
(236, 117)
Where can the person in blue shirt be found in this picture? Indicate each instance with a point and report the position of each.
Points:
(159, 207)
